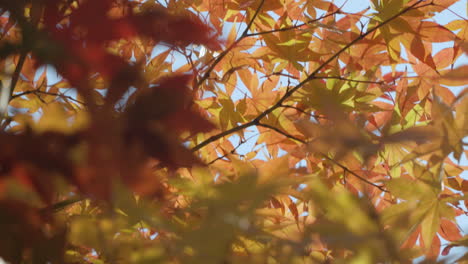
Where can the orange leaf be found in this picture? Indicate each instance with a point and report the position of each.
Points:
(449, 230)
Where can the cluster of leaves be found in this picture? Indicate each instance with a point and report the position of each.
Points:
(287, 142)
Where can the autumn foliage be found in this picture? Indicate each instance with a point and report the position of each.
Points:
(244, 131)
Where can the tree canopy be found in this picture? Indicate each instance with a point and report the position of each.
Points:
(243, 131)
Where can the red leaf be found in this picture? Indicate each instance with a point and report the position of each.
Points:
(446, 250)
(159, 114)
(90, 28)
(277, 204)
(188, 120)
(293, 208)
(176, 30)
(34, 158)
(170, 103)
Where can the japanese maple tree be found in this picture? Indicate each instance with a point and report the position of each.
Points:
(243, 131)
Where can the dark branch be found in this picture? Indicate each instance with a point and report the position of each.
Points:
(16, 74)
(246, 31)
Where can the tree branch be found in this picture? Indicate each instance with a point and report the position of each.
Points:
(310, 77)
(246, 31)
(17, 72)
(282, 132)
(232, 151)
(14, 80)
(329, 60)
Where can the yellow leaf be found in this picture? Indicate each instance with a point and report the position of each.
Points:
(430, 224)
(409, 190)
(32, 104)
(55, 118)
(84, 231)
(274, 169)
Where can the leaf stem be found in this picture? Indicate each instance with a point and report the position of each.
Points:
(62, 204)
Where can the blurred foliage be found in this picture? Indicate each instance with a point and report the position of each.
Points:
(285, 141)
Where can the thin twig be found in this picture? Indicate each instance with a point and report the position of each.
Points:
(282, 132)
(233, 151)
(222, 134)
(348, 80)
(346, 169)
(46, 93)
(343, 167)
(303, 111)
(280, 74)
(228, 49)
(293, 27)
